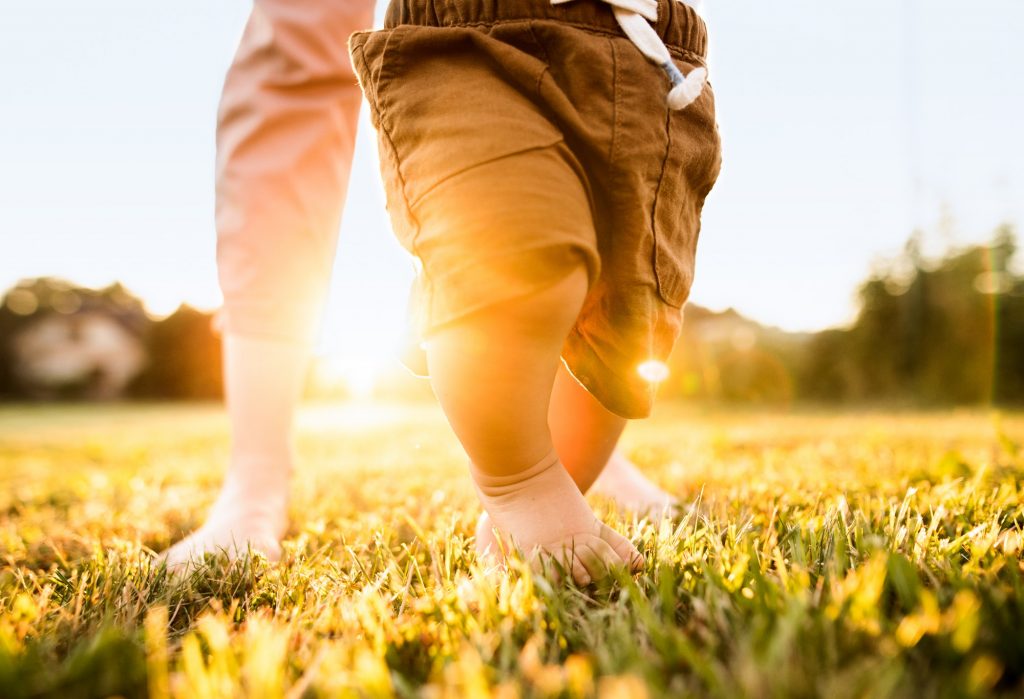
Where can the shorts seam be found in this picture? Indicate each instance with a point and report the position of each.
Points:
(376, 78)
(405, 196)
(547, 57)
(662, 291)
(616, 113)
(540, 44)
(468, 168)
(540, 80)
(385, 133)
(361, 53)
(585, 257)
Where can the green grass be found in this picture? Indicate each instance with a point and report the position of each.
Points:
(862, 555)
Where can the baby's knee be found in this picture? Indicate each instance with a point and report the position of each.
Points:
(550, 309)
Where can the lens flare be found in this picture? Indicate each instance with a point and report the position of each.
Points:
(352, 375)
(653, 371)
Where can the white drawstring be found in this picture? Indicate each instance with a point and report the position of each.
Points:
(633, 16)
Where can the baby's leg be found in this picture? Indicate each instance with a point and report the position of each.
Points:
(493, 373)
(585, 435)
(584, 431)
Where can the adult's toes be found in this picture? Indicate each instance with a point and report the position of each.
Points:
(180, 552)
(179, 557)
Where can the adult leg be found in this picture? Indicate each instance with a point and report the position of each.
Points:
(263, 380)
(285, 136)
(493, 373)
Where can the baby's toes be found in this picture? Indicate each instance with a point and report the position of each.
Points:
(587, 558)
(553, 561)
(626, 553)
(580, 573)
(598, 557)
(585, 563)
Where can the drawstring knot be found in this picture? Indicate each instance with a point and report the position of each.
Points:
(634, 17)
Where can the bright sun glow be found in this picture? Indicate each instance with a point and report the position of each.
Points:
(653, 371)
(357, 376)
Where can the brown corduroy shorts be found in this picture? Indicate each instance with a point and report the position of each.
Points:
(519, 138)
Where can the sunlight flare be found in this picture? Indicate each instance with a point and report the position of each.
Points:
(653, 371)
(356, 376)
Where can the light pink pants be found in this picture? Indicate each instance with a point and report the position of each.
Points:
(285, 134)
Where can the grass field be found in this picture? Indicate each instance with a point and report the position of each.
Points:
(860, 555)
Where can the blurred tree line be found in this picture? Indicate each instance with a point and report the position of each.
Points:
(946, 331)
(59, 341)
(950, 332)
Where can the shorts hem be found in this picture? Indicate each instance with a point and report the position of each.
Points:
(242, 325)
(584, 364)
(441, 312)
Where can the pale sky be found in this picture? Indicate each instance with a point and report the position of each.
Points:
(845, 125)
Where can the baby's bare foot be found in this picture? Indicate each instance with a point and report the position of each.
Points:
(542, 513)
(623, 482)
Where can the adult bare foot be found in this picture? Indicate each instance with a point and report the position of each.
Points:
(248, 515)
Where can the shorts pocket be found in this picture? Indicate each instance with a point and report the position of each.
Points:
(378, 63)
(375, 57)
(691, 166)
(454, 98)
(447, 100)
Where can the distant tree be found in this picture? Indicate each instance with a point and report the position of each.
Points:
(70, 358)
(8, 324)
(184, 358)
(943, 331)
(182, 351)
(950, 331)
(1008, 304)
(726, 357)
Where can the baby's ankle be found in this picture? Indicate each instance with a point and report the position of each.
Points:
(540, 511)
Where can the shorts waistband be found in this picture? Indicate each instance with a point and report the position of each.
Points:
(678, 24)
